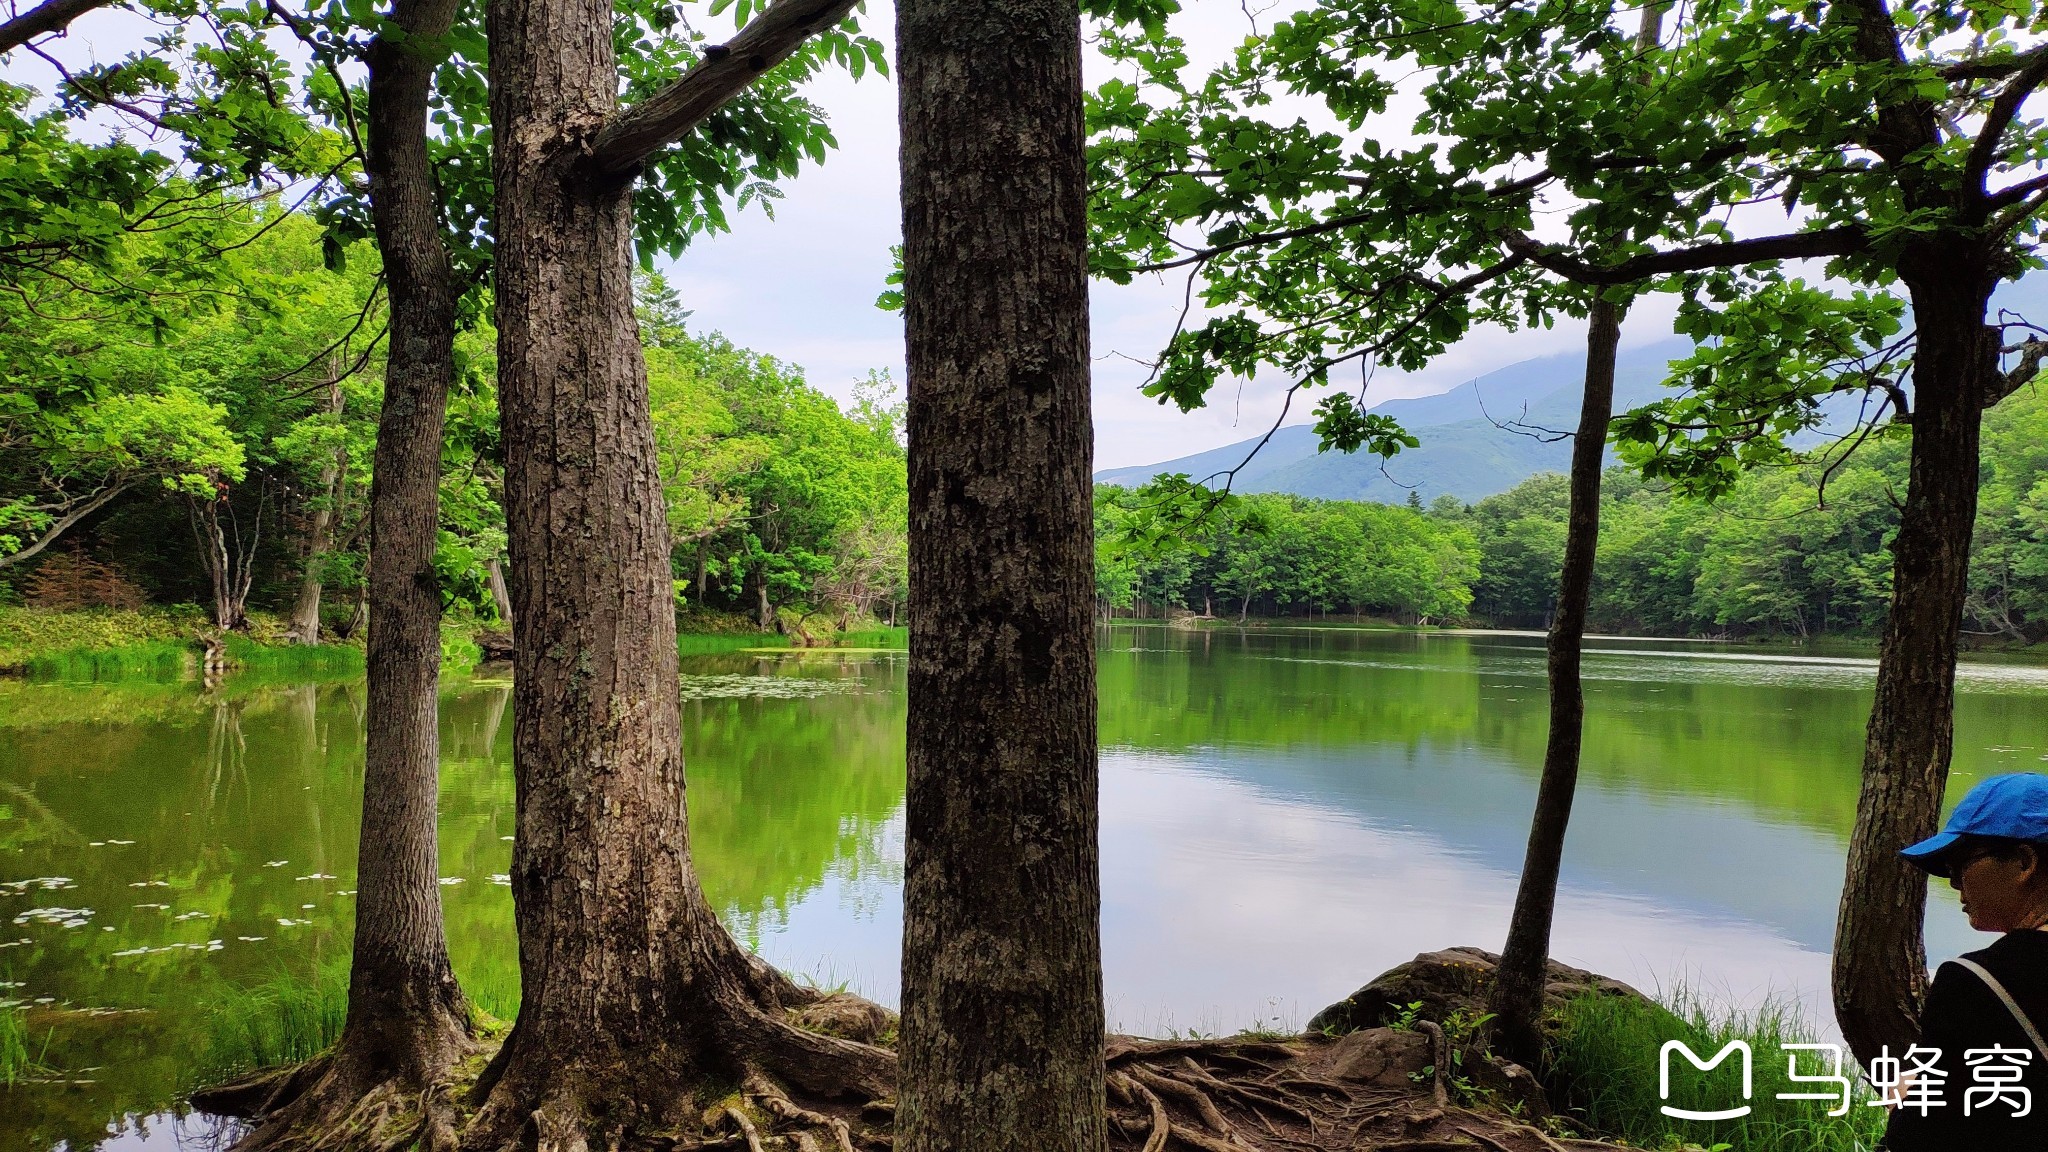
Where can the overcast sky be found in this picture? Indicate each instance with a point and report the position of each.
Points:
(802, 286)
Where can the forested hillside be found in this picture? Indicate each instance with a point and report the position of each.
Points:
(213, 447)
(1780, 555)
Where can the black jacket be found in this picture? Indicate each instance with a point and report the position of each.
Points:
(1963, 1013)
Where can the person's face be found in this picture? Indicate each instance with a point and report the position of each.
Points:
(1998, 893)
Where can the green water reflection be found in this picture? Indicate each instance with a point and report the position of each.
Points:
(1285, 813)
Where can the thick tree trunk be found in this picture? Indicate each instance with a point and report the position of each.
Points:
(305, 626)
(1517, 998)
(635, 1003)
(1880, 962)
(1002, 977)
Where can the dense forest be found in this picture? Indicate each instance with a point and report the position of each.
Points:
(1797, 551)
(215, 449)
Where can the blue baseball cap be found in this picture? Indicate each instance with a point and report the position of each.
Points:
(2012, 807)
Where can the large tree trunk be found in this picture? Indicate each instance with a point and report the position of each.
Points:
(637, 1007)
(408, 1023)
(1880, 962)
(305, 625)
(1002, 975)
(1517, 997)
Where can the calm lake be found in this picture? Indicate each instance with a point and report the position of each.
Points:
(1285, 813)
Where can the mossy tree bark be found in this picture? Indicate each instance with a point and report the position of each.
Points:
(1002, 1027)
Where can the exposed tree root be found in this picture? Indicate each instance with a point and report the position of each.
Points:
(802, 1075)
(1302, 1095)
(791, 1089)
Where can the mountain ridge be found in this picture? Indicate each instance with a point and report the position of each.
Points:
(1465, 452)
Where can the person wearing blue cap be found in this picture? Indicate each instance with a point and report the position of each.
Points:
(1986, 1011)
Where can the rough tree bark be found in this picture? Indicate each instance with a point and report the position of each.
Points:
(305, 625)
(1880, 960)
(383, 1085)
(1880, 956)
(637, 1008)
(1517, 997)
(1002, 980)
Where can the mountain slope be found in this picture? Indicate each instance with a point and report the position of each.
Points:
(1465, 451)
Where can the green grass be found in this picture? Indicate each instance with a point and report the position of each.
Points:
(21, 1053)
(293, 659)
(722, 643)
(883, 637)
(1604, 1076)
(287, 1018)
(27, 634)
(493, 989)
(149, 660)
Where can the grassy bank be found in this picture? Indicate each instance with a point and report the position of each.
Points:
(151, 644)
(1604, 1077)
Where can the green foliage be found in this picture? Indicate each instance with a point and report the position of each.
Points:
(1603, 1058)
(1366, 182)
(1798, 551)
(775, 494)
(1285, 553)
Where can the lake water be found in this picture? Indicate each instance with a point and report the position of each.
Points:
(1285, 813)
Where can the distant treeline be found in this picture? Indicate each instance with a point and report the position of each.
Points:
(1797, 551)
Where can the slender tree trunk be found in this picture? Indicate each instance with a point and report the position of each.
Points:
(1517, 998)
(1880, 962)
(305, 627)
(229, 557)
(1001, 1039)
(408, 1023)
(636, 1005)
(501, 597)
(764, 611)
(402, 993)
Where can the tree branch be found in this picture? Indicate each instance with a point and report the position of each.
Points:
(633, 134)
(1985, 148)
(92, 504)
(49, 16)
(1993, 68)
(2032, 353)
(1729, 254)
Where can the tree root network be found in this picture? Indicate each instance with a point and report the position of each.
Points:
(1301, 1094)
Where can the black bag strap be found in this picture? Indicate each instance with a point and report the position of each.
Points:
(2011, 1005)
